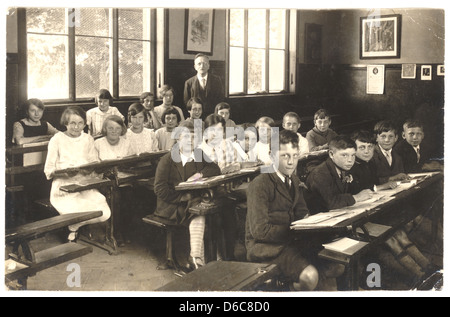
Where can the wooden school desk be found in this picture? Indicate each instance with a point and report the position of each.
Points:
(14, 167)
(210, 189)
(373, 222)
(112, 178)
(224, 276)
(23, 261)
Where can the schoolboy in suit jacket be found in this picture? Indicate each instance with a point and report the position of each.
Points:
(404, 252)
(329, 183)
(274, 201)
(414, 152)
(205, 86)
(388, 163)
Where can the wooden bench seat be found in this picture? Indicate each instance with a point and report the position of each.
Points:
(47, 258)
(224, 276)
(169, 227)
(23, 261)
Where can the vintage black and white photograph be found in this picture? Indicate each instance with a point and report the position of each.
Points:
(426, 72)
(440, 70)
(223, 150)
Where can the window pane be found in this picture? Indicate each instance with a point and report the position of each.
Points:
(276, 70)
(134, 67)
(47, 66)
(236, 70)
(256, 70)
(277, 28)
(46, 20)
(92, 65)
(93, 22)
(237, 27)
(257, 28)
(131, 24)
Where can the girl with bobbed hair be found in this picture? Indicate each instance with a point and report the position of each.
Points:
(32, 128)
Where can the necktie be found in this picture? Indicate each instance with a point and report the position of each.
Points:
(389, 158)
(343, 176)
(418, 154)
(287, 181)
(203, 83)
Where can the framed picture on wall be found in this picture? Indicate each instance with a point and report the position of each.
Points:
(380, 36)
(425, 71)
(313, 43)
(199, 31)
(409, 71)
(440, 70)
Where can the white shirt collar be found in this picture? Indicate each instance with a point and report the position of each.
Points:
(200, 77)
(185, 159)
(385, 151)
(281, 176)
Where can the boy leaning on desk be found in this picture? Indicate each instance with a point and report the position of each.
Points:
(274, 201)
(403, 252)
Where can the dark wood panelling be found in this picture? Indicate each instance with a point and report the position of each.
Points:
(179, 70)
(12, 93)
(342, 90)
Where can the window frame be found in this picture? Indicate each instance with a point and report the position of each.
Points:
(114, 18)
(289, 54)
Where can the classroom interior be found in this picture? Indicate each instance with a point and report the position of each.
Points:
(323, 68)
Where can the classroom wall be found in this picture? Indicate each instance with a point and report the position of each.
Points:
(180, 67)
(339, 82)
(176, 36)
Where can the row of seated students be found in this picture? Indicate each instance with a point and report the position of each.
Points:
(270, 210)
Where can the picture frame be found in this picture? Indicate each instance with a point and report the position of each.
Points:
(199, 31)
(313, 43)
(440, 70)
(380, 36)
(409, 71)
(425, 72)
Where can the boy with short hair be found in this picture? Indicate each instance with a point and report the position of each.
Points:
(328, 184)
(365, 177)
(389, 164)
(414, 153)
(364, 171)
(319, 136)
(291, 121)
(274, 200)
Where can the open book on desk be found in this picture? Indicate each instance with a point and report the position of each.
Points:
(213, 180)
(334, 217)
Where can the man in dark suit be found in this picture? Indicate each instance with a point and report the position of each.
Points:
(328, 184)
(205, 86)
(274, 201)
